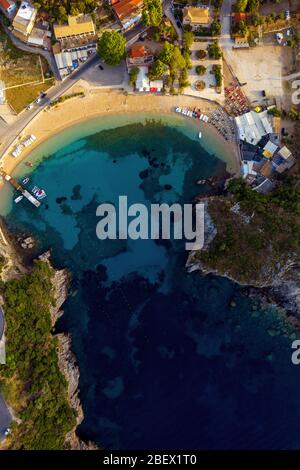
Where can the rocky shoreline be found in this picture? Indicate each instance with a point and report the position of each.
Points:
(283, 291)
(66, 358)
(15, 265)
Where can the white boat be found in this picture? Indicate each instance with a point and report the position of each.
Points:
(200, 135)
(201, 116)
(190, 114)
(178, 110)
(39, 193)
(25, 180)
(18, 199)
(184, 111)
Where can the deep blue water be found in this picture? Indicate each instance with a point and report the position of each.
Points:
(167, 359)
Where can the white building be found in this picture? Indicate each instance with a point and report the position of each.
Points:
(253, 126)
(24, 20)
(144, 84)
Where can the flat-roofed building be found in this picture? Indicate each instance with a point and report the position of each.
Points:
(24, 20)
(253, 126)
(285, 153)
(196, 17)
(77, 26)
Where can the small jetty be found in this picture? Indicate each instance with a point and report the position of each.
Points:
(19, 188)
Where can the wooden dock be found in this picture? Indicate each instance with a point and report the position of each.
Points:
(19, 188)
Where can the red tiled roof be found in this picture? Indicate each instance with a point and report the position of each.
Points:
(126, 7)
(138, 50)
(240, 16)
(4, 4)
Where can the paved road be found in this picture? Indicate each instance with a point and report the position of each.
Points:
(34, 50)
(225, 41)
(167, 7)
(5, 418)
(8, 136)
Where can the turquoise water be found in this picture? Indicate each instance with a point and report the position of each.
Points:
(167, 359)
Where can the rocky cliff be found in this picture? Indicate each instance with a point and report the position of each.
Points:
(66, 358)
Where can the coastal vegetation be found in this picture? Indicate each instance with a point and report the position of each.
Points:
(111, 47)
(257, 234)
(64, 98)
(31, 381)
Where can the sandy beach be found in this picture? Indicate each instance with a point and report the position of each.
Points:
(104, 102)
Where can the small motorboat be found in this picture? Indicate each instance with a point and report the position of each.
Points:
(25, 180)
(18, 199)
(200, 135)
(39, 193)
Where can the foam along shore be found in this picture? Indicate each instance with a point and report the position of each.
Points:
(100, 102)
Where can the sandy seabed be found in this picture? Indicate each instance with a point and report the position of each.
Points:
(100, 102)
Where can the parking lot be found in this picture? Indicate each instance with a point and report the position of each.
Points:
(262, 68)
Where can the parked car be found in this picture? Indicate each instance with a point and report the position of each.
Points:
(43, 95)
(38, 100)
(7, 431)
(29, 107)
(101, 67)
(287, 15)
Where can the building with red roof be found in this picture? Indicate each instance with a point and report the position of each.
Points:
(8, 7)
(128, 12)
(139, 56)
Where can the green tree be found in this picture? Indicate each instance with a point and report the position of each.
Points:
(214, 51)
(257, 19)
(183, 80)
(274, 112)
(240, 5)
(111, 47)
(253, 5)
(133, 74)
(200, 70)
(166, 54)
(178, 61)
(216, 28)
(241, 28)
(157, 70)
(187, 58)
(188, 39)
(294, 114)
(152, 12)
